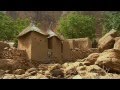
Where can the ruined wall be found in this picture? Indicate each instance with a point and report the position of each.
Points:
(66, 51)
(82, 43)
(74, 49)
(24, 43)
(39, 48)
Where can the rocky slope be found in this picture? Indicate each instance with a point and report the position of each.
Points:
(98, 65)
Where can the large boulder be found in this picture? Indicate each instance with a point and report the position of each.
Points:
(107, 41)
(117, 44)
(109, 60)
(91, 59)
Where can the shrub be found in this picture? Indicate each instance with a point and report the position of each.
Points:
(111, 21)
(75, 25)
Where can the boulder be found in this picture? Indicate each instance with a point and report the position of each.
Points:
(56, 71)
(109, 60)
(107, 41)
(117, 44)
(91, 59)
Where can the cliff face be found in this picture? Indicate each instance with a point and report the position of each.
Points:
(46, 17)
(43, 17)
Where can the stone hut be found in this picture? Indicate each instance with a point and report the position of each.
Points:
(34, 41)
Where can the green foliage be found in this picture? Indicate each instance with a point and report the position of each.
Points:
(112, 21)
(20, 24)
(6, 27)
(75, 25)
(9, 28)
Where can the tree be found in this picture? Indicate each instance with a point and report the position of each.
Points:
(10, 28)
(6, 27)
(75, 25)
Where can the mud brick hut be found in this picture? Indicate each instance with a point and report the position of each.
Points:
(34, 41)
(54, 45)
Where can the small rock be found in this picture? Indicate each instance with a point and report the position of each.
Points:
(8, 71)
(19, 71)
(56, 71)
(71, 70)
(9, 76)
(91, 59)
(20, 76)
(31, 71)
(77, 77)
(96, 69)
(2, 72)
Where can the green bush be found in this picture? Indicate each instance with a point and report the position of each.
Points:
(75, 25)
(111, 21)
